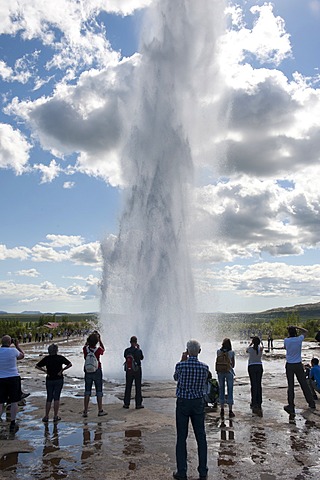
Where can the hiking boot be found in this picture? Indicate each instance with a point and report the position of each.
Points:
(179, 477)
(289, 410)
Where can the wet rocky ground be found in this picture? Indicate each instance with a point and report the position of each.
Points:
(140, 444)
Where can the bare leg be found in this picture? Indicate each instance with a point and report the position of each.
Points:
(13, 410)
(56, 405)
(86, 403)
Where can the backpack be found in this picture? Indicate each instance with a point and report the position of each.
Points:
(223, 364)
(317, 337)
(91, 362)
(212, 394)
(130, 365)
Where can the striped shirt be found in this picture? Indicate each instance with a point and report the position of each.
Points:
(191, 376)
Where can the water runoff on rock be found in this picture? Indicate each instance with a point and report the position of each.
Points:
(147, 280)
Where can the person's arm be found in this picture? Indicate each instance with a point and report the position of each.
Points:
(101, 344)
(21, 352)
(41, 367)
(69, 365)
(303, 331)
(233, 360)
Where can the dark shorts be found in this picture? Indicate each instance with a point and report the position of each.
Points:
(54, 388)
(10, 389)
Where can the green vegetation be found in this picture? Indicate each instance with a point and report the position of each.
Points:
(246, 325)
(18, 325)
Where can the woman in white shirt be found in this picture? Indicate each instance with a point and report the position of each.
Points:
(255, 371)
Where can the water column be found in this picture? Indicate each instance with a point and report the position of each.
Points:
(147, 279)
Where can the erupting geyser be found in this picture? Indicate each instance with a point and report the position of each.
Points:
(148, 274)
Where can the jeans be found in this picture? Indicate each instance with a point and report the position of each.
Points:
(222, 378)
(193, 409)
(54, 388)
(136, 377)
(255, 373)
(96, 378)
(296, 369)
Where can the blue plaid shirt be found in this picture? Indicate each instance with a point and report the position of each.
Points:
(191, 376)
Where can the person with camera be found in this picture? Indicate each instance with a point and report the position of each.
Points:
(132, 366)
(93, 347)
(191, 376)
(10, 381)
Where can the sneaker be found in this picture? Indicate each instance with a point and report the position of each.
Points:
(231, 414)
(289, 410)
(56, 419)
(24, 395)
(179, 477)
(102, 413)
(125, 406)
(139, 406)
(85, 414)
(45, 419)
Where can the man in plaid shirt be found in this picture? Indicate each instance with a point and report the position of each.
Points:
(191, 376)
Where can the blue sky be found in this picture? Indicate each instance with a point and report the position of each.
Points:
(66, 76)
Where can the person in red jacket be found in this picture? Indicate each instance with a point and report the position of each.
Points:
(95, 378)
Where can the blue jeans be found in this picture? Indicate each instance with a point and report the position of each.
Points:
(194, 410)
(255, 373)
(222, 379)
(96, 378)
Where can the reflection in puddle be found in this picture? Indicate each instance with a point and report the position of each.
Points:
(258, 439)
(91, 445)
(133, 445)
(226, 452)
(9, 462)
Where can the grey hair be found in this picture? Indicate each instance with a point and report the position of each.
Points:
(53, 349)
(193, 347)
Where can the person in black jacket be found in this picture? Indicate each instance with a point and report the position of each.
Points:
(133, 356)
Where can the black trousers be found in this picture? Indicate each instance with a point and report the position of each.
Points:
(136, 378)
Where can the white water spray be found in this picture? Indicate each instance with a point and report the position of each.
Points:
(148, 274)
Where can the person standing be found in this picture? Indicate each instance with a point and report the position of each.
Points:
(10, 381)
(270, 341)
(191, 376)
(53, 366)
(255, 371)
(226, 375)
(294, 367)
(133, 356)
(93, 377)
(314, 377)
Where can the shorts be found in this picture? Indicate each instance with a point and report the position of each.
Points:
(93, 378)
(10, 389)
(54, 388)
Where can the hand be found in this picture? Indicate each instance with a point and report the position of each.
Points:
(184, 356)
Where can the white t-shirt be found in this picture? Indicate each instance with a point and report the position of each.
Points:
(8, 362)
(293, 347)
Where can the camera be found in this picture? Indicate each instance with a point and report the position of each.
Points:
(13, 340)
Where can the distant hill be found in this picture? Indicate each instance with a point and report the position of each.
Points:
(31, 312)
(303, 308)
(2, 312)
